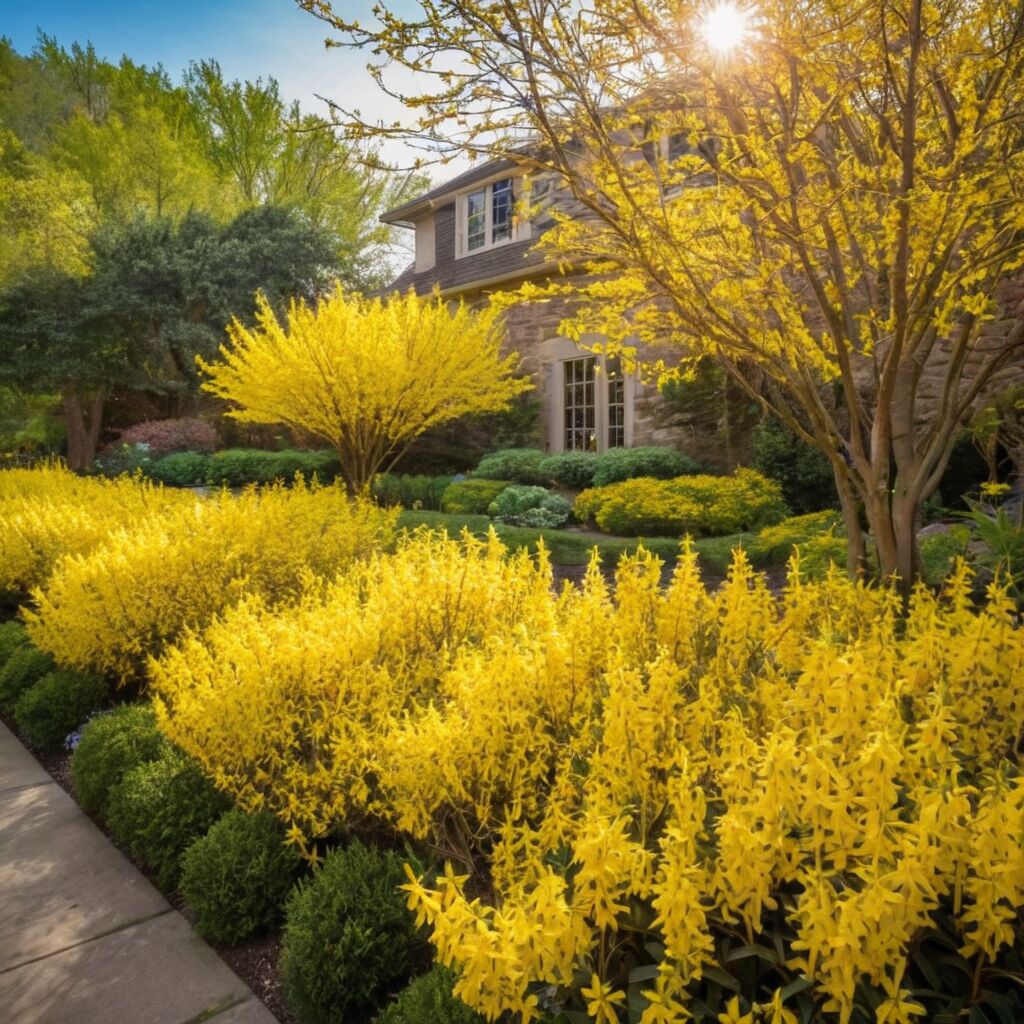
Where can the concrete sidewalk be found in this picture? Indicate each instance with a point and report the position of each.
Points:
(84, 936)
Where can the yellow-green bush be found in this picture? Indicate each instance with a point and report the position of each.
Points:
(696, 505)
(109, 610)
(777, 808)
(49, 512)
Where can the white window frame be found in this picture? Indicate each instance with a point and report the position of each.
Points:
(520, 224)
(602, 424)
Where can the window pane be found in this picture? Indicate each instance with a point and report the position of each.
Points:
(616, 403)
(578, 399)
(476, 219)
(501, 210)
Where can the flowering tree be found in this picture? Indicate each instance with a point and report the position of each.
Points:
(367, 375)
(826, 196)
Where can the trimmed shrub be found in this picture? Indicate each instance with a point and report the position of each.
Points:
(25, 667)
(181, 469)
(711, 505)
(12, 636)
(110, 746)
(471, 497)
(235, 879)
(774, 544)
(237, 467)
(530, 506)
(409, 491)
(628, 463)
(161, 437)
(56, 705)
(124, 460)
(940, 550)
(574, 470)
(803, 473)
(520, 465)
(159, 808)
(348, 938)
(428, 999)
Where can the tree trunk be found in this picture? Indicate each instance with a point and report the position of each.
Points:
(856, 560)
(83, 416)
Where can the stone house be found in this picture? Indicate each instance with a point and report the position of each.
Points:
(469, 243)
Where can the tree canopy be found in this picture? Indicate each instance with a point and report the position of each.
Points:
(831, 208)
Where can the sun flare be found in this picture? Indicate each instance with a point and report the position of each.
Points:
(725, 26)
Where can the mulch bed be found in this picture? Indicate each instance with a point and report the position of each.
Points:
(255, 961)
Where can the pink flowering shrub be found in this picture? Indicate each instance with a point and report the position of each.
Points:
(165, 436)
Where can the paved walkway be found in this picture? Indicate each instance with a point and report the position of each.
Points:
(84, 936)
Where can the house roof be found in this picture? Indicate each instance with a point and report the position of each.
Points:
(405, 214)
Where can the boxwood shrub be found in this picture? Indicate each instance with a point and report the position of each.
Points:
(696, 505)
(181, 469)
(628, 463)
(56, 705)
(520, 465)
(471, 497)
(411, 491)
(237, 467)
(12, 636)
(348, 938)
(26, 666)
(235, 879)
(428, 999)
(110, 746)
(159, 808)
(574, 470)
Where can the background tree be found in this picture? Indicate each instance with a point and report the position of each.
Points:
(835, 199)
(369, 376)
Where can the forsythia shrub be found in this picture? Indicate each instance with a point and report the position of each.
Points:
(49, 512)
(710, 505)
(109, 610)
(774, 544)
(729, 806)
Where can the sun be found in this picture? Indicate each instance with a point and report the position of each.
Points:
(725, 26)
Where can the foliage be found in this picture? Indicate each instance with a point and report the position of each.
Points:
(159, 808)
(366, 375)
(1003, 538)
(830, 210)
(48, 512)
(12, 636)
(56, 705)
(126, 460)
(940, 551)
(530, 506)
(22, 670)
(428, 999)
(109, 610)
(111, 745)
(574, 470)
(471, 497)
(627, 463)
(161, 437)
(181, 469)
(803, 473)
(348, 938)
(725, 793)
(28, 423)
(690, 504)
(774, 544)
(237, 467)
(410, 491)
(520, 465)
(236, 877)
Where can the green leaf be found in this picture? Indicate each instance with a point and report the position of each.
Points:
(761, 952)
(721, 978)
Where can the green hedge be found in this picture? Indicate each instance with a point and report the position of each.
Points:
(696, 505)
(181, 469)
(349, 939)
(25, 667)
(235, 879)
(471, 497)
(110, 746)
(574, 470)
(237, 467)
(803, 473)
(629, 463)
(520, 465)
(411, 491)
(49, 710)
(12, 636)
(428, 999)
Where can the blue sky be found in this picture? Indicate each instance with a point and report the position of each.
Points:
(250, 39)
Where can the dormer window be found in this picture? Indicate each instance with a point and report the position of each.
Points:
(487, 217)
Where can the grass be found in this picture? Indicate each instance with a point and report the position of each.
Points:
(573, 547)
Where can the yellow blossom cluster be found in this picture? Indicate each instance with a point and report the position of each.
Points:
(107, 610)
(636, 788)
(48, 511)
